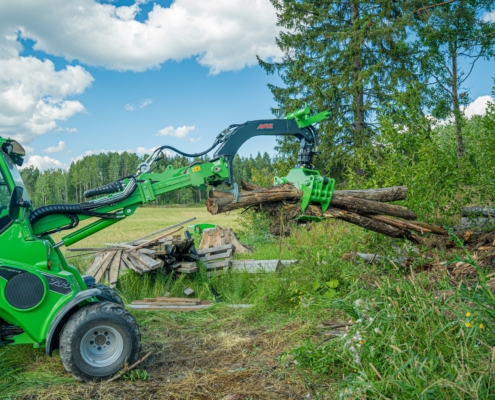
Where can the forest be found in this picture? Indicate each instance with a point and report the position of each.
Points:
(56, 186)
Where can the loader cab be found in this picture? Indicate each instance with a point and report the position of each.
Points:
(11, 155)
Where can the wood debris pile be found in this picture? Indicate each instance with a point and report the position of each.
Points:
(144, 255)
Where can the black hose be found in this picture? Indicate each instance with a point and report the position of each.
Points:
(216, 143)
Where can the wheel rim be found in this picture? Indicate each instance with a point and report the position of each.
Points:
(102, 346)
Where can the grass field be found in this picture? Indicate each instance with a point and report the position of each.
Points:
(147, 220)
(411, 333)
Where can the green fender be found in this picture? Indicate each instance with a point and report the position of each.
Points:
(52, 338)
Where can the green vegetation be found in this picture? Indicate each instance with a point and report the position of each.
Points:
(404, 339)
(390, 73)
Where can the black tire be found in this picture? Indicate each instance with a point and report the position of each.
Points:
(107, 294)
(97, 340)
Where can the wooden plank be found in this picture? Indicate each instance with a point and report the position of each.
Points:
(187, 270)
(152, 307)
(148, 252)
(218, 256)
(114, 269)
(103, 259)
(128, 263)
(153, 240)
(162, 303)
(215, 249)
(185, 265)
(104, 266)
(149, 262)
(96, 263)
(181, 299)
(102, 249)
(136, 266)
(162, 230)
(217, 265)
(136, 261)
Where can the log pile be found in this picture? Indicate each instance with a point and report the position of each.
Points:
(369, 209)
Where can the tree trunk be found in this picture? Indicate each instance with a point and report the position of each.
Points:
(359, 122)
(457, 108)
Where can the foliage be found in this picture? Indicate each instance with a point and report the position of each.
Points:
(420, 152)
(448, 35)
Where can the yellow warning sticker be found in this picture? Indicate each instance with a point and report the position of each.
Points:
(197, 168)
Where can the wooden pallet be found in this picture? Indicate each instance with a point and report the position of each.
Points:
(176, 304)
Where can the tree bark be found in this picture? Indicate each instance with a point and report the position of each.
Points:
(457, 108)
(384, 195)
(359, 116)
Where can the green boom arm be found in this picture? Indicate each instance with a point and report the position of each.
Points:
(217, 173)
(149, 186)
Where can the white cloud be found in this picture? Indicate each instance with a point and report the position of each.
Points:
(55, 149)
(44, 162)
(143, 104)
(489, 17)
(478, 106)
(222, 34)
(33, 93)
(180, 132)
(141, 151)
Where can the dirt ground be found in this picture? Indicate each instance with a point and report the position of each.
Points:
(227, 364)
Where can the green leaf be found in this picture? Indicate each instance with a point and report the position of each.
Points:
(332, 284)
(330, 293)
(316, 285)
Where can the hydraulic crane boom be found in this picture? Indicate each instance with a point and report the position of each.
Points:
(126, 195)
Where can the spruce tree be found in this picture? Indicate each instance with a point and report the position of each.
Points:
(345, 57)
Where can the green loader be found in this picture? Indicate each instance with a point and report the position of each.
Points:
(46, 302)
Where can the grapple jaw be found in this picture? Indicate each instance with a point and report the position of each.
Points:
(315, 188)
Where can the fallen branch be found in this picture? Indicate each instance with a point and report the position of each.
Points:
(127, 369)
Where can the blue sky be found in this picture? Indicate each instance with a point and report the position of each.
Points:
(83, 76)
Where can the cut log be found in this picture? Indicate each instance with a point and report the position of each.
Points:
(358, 205)
(221, 202)
(437, 230)
(478, 211)
(384, 195)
